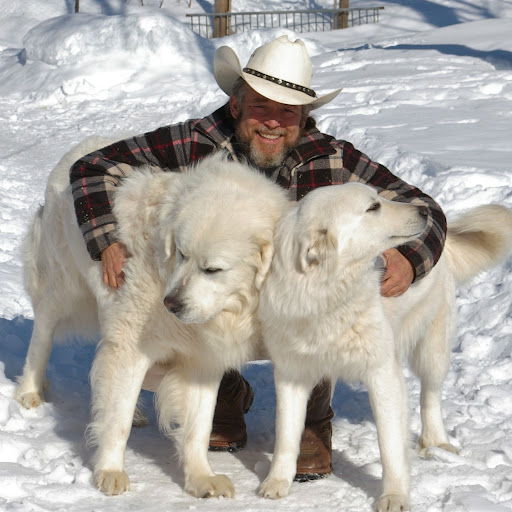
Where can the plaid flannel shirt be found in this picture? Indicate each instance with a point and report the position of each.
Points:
(318, 160)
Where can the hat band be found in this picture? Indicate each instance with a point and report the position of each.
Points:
(280, 81)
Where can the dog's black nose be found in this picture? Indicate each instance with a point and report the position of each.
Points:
(173, 304)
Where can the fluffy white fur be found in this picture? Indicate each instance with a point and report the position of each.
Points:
(323, 316)
(201, 244)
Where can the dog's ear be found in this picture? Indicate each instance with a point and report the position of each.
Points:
(314, 247)
(266, 255)
(165, 250)
(169, 246)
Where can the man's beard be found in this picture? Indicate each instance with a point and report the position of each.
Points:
(263, 161)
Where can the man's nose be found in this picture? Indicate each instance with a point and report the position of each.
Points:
(272, 123)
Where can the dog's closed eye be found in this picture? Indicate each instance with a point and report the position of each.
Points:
(212, 270)
(374, 207)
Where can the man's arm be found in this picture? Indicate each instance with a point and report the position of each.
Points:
(422, 254)
(95, 177)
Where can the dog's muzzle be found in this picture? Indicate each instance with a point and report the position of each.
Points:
(173, 304)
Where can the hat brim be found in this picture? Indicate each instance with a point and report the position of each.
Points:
(227, 69)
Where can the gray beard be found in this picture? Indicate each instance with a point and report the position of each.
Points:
(265, 163)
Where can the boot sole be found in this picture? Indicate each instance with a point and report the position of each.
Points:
(235, 446)
(310, 477)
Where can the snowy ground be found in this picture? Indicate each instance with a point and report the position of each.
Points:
(427, 91)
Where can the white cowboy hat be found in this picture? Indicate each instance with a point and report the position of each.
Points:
(280, 70)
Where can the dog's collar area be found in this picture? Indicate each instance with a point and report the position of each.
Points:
(280, 81)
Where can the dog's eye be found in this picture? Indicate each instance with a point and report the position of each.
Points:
(374, 207)
(212, 270)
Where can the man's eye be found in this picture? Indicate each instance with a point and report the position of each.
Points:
(374, 207)
(288, 113)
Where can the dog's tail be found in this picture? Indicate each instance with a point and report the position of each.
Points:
(478, 240)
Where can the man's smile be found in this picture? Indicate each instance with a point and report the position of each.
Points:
(268, 138)
(271, 137)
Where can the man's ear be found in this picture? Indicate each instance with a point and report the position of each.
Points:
(314, 247)
(234, 107)
(303, 120)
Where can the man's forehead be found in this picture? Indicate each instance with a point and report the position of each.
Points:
(255, 97)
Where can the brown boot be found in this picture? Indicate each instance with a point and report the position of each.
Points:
(233, 401)
(314, 459)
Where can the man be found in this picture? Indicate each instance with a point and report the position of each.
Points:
(266, 122)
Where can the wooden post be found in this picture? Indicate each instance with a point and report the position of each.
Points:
(220, 24)
(77, 5)
(343, 17)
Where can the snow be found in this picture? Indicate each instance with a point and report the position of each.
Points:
(427, 91)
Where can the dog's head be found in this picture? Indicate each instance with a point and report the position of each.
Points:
(352, 222)
(222, 238)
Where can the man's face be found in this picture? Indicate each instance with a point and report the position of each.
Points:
(267, 130)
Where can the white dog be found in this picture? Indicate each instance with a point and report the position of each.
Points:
(323, 316)
(201, 244)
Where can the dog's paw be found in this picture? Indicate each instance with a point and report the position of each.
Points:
(392, 503)
(423, 448)
(111, 483)
(30, 392)
(30, 399)
(274, 488)
(210, 487)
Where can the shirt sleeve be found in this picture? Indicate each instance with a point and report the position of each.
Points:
(95, 177)
(424, 252)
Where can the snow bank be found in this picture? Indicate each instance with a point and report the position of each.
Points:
(79, 56)
(134, 39)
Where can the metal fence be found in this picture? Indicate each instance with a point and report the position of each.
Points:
(307, 20)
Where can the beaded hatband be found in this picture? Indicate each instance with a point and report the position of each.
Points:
(280, 81)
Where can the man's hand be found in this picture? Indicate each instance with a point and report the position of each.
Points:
(398, 276)
(113, 259)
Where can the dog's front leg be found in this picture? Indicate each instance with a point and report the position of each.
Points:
(292, 397)
(116, 380)
(386, 389)
(199, 406)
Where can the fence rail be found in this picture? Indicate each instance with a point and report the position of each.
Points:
(307, 20)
